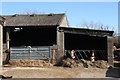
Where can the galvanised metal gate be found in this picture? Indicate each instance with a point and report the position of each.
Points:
(86, 54)
(32, 53)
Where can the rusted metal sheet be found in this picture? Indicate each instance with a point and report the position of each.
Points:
(30, 52)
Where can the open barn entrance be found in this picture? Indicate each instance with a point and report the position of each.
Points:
(33, 36)
(84, 45)
(31, 43)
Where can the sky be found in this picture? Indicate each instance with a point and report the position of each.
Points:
(78, 13)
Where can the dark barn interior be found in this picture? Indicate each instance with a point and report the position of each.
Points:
(33, 36)
(4, 35)
(85, 44)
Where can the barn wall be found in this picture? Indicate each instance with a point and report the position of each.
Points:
(64, 22)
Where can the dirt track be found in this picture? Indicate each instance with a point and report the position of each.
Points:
(59, 72)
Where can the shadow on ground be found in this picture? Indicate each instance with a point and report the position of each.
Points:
(113, 72)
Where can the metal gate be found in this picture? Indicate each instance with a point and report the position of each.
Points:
(32, 53)
(86, 54)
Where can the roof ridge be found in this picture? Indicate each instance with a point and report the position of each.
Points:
(33, 13)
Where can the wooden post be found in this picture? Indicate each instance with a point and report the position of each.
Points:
(53, 56)
(54, 48)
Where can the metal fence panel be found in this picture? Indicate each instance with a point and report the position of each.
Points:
(19, 58)
(36, 52)
(86, 54)
(20, 54)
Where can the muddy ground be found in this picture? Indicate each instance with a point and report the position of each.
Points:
(68, 68)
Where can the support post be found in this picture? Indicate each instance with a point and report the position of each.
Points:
(54, 50)
(1, 46)
(7, 38)
(60, 44)
(110, 50)
(1, 43)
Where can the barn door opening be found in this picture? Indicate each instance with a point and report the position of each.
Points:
(84, 45)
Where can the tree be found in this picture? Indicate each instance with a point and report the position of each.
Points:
(33, 12)
(94, 25)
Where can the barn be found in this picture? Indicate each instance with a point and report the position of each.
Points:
(35, 36)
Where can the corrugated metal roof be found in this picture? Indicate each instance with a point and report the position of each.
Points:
(87, 31)
(33, 19)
